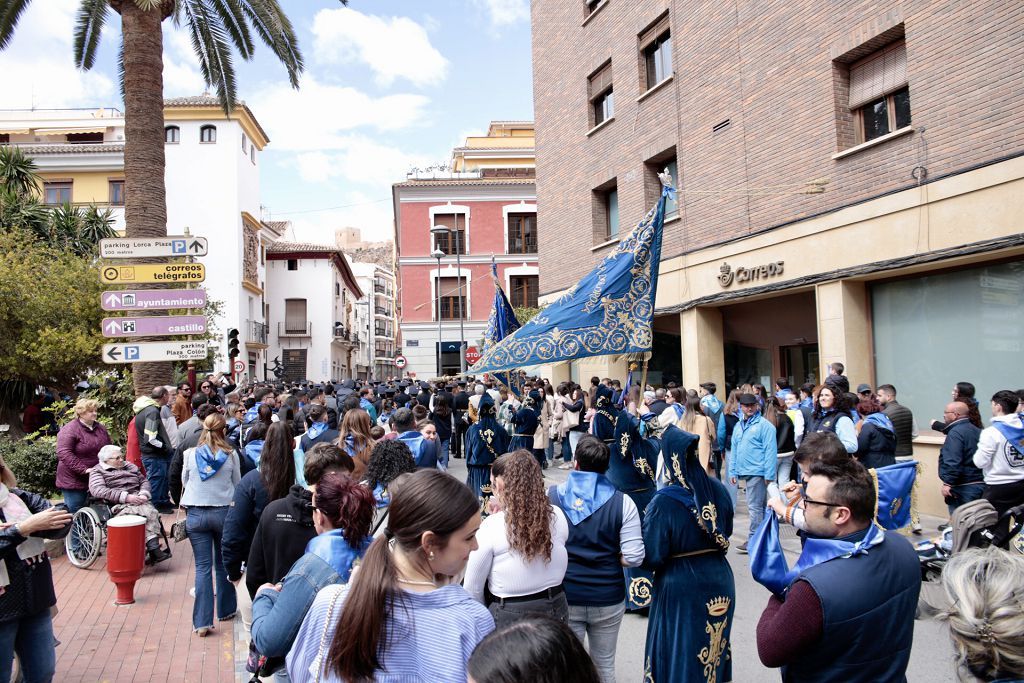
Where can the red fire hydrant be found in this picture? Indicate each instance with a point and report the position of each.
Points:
(126, 554)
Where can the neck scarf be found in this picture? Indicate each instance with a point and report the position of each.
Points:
(208, 461)
(15, 511)
(689, 483)
(332, 548)
(768, 563)
(253, 450)
(583, 494)
(1013, 433)
(880, 420)
(316, 429)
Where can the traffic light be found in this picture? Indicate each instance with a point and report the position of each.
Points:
(233, 343)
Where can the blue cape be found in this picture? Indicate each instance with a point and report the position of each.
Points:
(583, 494)
(880, 420)
(332, 548)
(689, 483)
(1012, 433)
(316, 429)
(253, 451)
(209, 461)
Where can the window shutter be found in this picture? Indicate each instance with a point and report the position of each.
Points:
(878, 75)
(656, 29)
(601, 80)
(295, 315)
(448, 220)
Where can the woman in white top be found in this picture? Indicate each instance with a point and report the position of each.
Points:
(522, 557)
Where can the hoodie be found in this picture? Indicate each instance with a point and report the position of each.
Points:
(153, 439)
(1000, 458)
(284, 529)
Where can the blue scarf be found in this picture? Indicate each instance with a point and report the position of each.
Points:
(253, 451)
(583, 494)
(680, 411)
(768, 563)
(381, 495)
(332, 548)
(316, 429)
(880, 420)
(252, 413)
(807, 403)
(1012, 433)
(209, 461)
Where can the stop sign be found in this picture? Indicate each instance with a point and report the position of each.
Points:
(473, 354)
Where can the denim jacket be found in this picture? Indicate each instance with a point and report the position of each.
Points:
(277, 616)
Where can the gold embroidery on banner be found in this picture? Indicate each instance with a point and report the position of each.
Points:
(644, 467)
(894, 507)
(640, 591)
(718, 644)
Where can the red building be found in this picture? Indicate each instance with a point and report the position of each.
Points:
(447, 227)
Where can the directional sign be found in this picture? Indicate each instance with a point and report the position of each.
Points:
(400, 362)
(153, 272)
(152, 299)
(147, 352)
(155, 326)
(173, 245)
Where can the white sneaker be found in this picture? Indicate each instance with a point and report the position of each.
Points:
(192, 591)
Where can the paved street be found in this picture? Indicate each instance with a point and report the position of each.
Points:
(152, 640)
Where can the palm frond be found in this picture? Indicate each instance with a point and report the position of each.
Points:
(18, 172)
(120, 68)
(10, 13)
(92, 14)
(210, 42)
(276, 31)
(233, 19)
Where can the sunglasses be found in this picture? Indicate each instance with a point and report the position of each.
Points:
(803, 492)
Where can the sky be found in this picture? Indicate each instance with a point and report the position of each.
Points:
(389, 85)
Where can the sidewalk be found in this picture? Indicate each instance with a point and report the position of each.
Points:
(151, 640)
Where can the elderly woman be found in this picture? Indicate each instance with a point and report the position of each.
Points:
(122, 485)
(78, 446)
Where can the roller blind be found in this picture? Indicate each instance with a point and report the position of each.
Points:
(295, 315)
(601, 80)
(648, 36)
(878, 74)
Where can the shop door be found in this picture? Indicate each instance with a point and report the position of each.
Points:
(800, 364)
(747, 365)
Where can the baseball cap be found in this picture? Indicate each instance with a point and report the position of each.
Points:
(864, 389)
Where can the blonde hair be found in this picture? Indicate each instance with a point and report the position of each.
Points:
(84, 405)
(986, 617)
(213, 433)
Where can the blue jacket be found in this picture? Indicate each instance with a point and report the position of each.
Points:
(277, 616)
(424, 451)
(754, 449)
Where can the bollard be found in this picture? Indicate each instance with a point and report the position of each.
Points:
(126, 554)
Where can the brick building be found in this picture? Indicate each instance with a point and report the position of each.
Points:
(851, 176)
(487, 200)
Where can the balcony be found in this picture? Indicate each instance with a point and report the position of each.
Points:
(380, 288)
(256, 332)
(295, 329)
(344, 336)
(381, 310)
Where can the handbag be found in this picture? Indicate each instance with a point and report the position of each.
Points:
(319, 661)
(178, 530)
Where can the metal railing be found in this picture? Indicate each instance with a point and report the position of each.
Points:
(381, 310)
(293, 329)
(257, 332)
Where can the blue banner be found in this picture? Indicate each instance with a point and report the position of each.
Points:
(609, 311)
(501, 323)
(895, 494)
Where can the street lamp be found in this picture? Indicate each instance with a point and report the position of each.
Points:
(437, 231)
(438, 254)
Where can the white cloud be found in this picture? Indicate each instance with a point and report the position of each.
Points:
(393, 48)
(181, 68)
(371, 215)
(317, 116)
(506, 12)
(358, 160)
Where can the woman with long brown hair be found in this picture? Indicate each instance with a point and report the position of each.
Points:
(403, 612)
(522, 554)
(208, 479)
(356, 440)
(696, 422)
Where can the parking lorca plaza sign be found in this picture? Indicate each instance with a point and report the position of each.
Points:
(727, 276)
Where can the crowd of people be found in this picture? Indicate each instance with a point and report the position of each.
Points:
(323, 516)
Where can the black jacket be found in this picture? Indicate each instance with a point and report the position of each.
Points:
(31, 588)
(956, 458)
(240, 525)
(285, 527)
(903, 424)
(876, 447)
(150, 415)
(785, 437)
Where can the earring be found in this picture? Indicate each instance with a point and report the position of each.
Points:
(431, 555)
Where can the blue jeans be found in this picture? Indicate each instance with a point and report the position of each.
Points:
(205, 526)
(549, 452)
(783, 468)
(600, 625)
(156, 472)
(32, 638)
(566, 450)
(75, 499)
(442, 454)
(757, 498)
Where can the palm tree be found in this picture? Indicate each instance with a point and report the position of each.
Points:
(218, 28)
(18, 172)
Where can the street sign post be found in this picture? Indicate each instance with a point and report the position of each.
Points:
(152, 299)
(400, 362)
(157, 326)
(149, 352)
(239, 366)
(172, 245)
(157, 272)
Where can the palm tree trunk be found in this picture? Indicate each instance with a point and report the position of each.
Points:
(145, 196)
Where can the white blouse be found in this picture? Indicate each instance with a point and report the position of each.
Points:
(507, 574)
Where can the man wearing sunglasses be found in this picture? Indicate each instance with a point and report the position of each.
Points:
(849, 616)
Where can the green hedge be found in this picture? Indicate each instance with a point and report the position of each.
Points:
(34, 463)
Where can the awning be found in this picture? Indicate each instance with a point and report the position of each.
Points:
(14, 131)
(68, 131)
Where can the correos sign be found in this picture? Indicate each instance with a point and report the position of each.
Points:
(727, 276)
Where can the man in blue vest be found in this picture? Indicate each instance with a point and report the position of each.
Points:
(849, 616)
(604, 537)
(424, 451)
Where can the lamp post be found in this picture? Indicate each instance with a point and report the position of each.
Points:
(437, 231)
(438, 254)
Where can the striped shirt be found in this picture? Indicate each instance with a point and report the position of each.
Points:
(431, 639)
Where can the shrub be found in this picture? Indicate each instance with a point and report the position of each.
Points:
(34, 463)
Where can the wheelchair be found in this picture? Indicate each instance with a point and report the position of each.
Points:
(88, 534)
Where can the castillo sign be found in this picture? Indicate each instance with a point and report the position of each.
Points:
(156, 326)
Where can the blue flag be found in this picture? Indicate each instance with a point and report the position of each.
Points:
(895, 494)
(608, 312)
(501, 323)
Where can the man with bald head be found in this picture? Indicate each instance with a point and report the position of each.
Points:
(962, 481)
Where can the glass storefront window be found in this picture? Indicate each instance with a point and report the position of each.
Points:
(747, 365)
(934, 331)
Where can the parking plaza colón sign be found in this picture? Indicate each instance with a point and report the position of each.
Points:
(149, 352)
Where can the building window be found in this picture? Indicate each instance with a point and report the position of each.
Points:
(592, 5)
(172, 135)
(652, 183)
(522, 233)
(117, 192)
(57, 192)
(656, 48)
(5, 138)
(448, 299)
(293, 264)
(454, 241)
(337, 289)
(245, 144)
(295, 316)
(208, 134)
(879, 95)
(252, 153)
(602, 100)
(606, 213)
(524, 290)
(80, 138)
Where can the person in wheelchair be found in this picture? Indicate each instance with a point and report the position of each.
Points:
(125, 488)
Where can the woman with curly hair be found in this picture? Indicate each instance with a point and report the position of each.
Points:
(390, 459)
(356, 440)
(522, 555)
